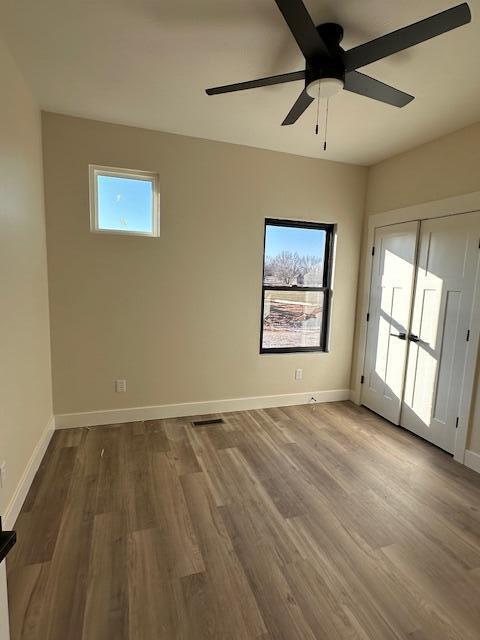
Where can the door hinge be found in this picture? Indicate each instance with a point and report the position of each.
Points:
(362, 379)
(368, 317)
(468, 335)
(456, 422)
(373, 251)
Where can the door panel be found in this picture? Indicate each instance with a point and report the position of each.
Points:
(391, 290)
(445, 281)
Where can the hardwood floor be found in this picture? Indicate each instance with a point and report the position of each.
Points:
(280, 524)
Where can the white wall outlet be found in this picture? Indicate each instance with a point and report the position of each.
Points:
(298, 374)
(3, 473)
(120, 386)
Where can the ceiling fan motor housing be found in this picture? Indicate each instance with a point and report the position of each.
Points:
(325, 76)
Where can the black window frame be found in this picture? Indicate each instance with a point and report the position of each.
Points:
(326, 288)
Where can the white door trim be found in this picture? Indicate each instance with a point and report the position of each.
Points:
(4, 622)
(466, 203)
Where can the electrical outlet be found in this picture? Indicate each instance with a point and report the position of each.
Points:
(298, 374)
(120, 386)
(3, 473)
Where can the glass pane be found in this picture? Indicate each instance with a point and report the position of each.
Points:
(294, 256)
(125, 204)
(292, 319)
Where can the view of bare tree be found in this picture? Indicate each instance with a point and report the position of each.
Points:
(288, 268)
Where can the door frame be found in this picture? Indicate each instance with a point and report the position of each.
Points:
(457, 205)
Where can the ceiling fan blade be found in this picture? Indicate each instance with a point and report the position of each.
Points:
(301, 105)
(407, 37)
(302, 28)
(357, 82)
(261, 82)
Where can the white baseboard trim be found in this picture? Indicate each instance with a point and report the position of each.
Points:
(116, 416)
(472, 460)
(18, 498)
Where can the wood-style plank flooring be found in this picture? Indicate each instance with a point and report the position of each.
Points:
(281, 524)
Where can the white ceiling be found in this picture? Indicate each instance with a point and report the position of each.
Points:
(147, 62)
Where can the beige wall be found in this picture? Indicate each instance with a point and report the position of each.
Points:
(179, 316)
(443, 168)
(25, 377)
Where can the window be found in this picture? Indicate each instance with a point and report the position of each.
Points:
(124, 201)
(296, 292)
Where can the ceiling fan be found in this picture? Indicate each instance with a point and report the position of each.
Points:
(328, 68)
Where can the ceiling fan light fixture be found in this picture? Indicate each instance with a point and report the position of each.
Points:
(324, 87)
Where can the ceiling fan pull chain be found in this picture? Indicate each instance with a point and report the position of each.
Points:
(326, 127)
(318, 109)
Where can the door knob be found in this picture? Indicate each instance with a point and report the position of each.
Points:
(413, 338)
(400, 336)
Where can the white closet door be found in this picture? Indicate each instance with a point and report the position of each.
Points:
(393, 275)
(446, 276)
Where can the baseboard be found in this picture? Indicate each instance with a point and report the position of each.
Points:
(472, 460)
(116, 416)
(26, 480)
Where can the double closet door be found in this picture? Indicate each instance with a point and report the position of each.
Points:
(423, 283)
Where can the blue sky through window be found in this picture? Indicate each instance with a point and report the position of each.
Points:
(305, 242)
(125, 204)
